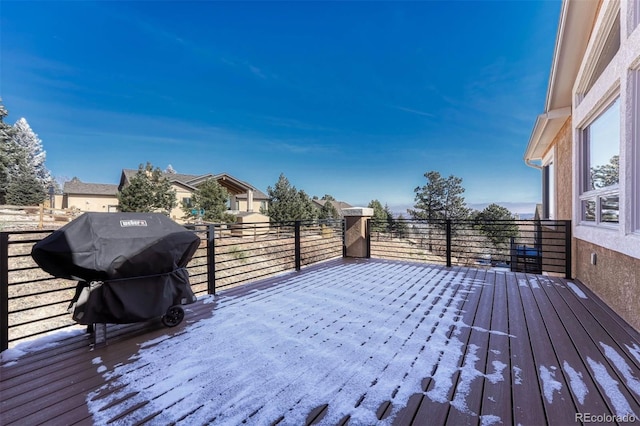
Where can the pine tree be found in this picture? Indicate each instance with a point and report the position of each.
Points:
(148, 191)
(606, 174)
(7, 153)
(440, 199)
(24, 188)
(496, 223)
(287, 204)
(328, 210)
(211, 197)
(379, 219)
(25, 137)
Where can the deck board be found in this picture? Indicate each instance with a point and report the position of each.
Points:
(496, 396)
(457, 346)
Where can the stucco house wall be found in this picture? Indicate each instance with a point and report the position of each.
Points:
(89, 197)
(564, 157)
(91, 203)
(595, 68)
(614, 277)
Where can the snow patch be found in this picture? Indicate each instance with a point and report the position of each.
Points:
(634, 350)
(549, 383)
(610, 386)
(632, 381)
(497, 333)
(517, 378)
(47, 341)
(578, 387)
(577, 290)
(489, 420)
(534, 283)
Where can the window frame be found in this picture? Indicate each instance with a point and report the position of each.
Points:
(596, 195)
(617, 80)
(549, 193)
(634, 98)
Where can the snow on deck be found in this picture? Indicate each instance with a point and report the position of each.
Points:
(378, 342)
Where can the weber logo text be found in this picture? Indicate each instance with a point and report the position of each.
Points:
(132, 222)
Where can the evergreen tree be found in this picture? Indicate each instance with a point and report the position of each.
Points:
(24, 188)
(606, 174)
(8, 153)
(440, 199)
(24, 137)
(400, 227)
(328, 210)
(392, 223)
(148, 191)
(379, 220)
(305, 207)
(496, 223)
(287, 204)
(211, 197)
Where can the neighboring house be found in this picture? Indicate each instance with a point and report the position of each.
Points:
(243, 196)
(339, 205)
(89, 197)
(587, 144)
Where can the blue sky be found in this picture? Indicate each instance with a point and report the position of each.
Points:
(353, 99)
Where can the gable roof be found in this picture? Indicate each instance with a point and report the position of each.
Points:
(75, 186)
(574, 30)
(339, 205)
(257, 195)
(192, 181)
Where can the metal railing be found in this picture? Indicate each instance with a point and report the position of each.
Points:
(34, 303)
(247, 252)
(535, 246)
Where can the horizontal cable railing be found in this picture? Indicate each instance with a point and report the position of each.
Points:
(34, 303)
(247, 252)
(535, 246)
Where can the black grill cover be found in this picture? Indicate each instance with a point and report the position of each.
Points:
(131, 266)
(104, 246)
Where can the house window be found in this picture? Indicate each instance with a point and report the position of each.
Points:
(186, 202)
(601, 167)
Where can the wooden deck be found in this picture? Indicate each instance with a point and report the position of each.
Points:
(349, 342)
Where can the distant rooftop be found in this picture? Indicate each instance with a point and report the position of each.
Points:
(76, 186)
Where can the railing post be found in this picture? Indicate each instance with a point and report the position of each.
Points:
(567, 249)
(211, 260)
(448, 226)
(4, 291)
(344, 239)
(368, 237)
(297, 245)
(356, 237)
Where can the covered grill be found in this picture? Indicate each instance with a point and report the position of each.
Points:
(131, 266)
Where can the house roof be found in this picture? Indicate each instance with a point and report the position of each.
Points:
(76, 186)
(192, 181)
(257, 195)
(574, 29)
(339, 205)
